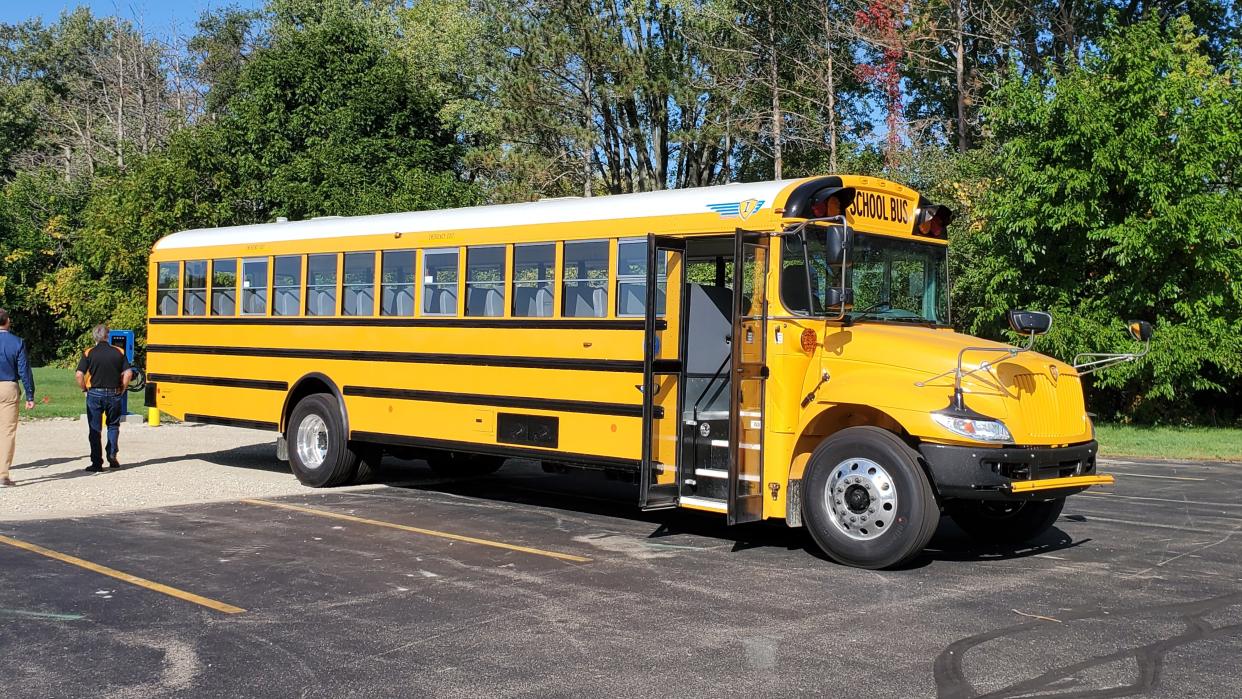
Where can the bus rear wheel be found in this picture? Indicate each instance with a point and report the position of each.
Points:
(1004, 521)
(318, 451)
(453, 464)
(866, 500)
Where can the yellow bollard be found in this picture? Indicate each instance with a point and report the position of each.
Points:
(153, 417)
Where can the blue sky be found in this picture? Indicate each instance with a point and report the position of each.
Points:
(157, 17)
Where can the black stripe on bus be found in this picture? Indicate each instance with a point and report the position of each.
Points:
(232, 422)
(220, 381)
(384, 322)
(495, 450)
(552, 404)
(618, 365)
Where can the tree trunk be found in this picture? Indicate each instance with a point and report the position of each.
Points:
(774, 79)
(959, 72)
(832, 97)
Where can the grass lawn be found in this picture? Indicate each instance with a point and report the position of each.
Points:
(1221, 443)
(57, 395)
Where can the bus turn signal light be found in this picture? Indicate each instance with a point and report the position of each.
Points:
(809, 341)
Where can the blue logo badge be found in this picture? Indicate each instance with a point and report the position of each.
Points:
(737, 209)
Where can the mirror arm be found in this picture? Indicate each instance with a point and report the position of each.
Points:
(958, 401)
(1104, 360)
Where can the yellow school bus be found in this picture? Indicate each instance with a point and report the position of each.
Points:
(773, 350)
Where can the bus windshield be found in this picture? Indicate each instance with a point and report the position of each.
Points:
(894, 280)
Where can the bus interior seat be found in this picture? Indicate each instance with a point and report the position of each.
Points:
(398, 302)
(794, 292)
(359, 301)
(440, 302)
(321, 303)
(709, 331)
(484, 301)
(168, 306)
(223, 303)
(585, 302)
(532, 302)
(285, 303)
(195, 303)
(634, 299)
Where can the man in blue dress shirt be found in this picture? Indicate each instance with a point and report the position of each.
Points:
(13, 366)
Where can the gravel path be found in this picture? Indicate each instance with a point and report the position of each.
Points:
(175, 464)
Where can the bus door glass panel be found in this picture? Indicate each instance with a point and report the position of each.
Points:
(321, 285)
(168, 281)
(397, 283)
(534, 273)
(585, 293)
(485, 281)
(358, 284)
(286, 285)
(632, 278)
(254, 286)
(662, 389)
(195, 291)
(749, 373)
(440, 282)
(224, 287)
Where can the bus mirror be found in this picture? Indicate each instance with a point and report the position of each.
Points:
(840, 298)
(836, 240)
(1140, 330)
(1029, 322)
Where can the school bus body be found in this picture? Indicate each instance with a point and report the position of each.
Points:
(443, 382)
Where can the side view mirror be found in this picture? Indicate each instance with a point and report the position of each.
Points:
(1140, 330)
(1029, 322)
(837, 239)
(839, 299)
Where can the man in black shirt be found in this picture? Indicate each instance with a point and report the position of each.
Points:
(103, 374)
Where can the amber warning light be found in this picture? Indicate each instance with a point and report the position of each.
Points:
(809, 340)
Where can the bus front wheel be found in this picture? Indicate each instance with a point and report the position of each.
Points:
(318, 452)
(1004, 522)
(866, 500)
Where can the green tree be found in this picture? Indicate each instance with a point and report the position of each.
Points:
(1115, 193)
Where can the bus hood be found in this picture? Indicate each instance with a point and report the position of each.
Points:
(1039, 398)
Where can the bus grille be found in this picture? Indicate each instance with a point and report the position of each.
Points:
(1048, 408)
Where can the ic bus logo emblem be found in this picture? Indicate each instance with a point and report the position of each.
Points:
(737, 209)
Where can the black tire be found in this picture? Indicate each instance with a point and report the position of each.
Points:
(338, 463)
(882, 513)
(452, 464)
(370, 461)
(1004, 521)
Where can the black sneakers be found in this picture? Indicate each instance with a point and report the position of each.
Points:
(94, 469)
(113, 463)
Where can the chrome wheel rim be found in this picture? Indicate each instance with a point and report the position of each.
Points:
(861, 499)
(312, 441)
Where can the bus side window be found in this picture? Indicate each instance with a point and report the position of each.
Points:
(194, 294)
(287, 285)
(168, 282)
(485, 281)
(224, 287)
(397, 283)
(534, 271)
(585, 279)
(254, 286)
(632, 278)
(320, 285)
(358, 291)
(440, 282)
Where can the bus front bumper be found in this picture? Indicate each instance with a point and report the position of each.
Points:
(1011, 473)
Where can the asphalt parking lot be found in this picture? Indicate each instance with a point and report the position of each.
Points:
(525, 584)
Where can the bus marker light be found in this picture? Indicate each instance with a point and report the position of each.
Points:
(809, 340)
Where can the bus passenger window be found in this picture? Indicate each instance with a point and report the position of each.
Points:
(397, 283)
(586, 280)
(440, 282)
(287, 285)
(485, 281)
(194, 296)
(224, 287)
(358, 291)
(632, 278)
(254, 286)
(321, 285)
(168, 281)
(533, 276)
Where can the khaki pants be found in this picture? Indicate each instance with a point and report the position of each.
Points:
(9, 397)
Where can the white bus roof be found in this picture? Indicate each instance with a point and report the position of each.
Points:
(622, 206)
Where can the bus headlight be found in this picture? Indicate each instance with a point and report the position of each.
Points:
(980, 430)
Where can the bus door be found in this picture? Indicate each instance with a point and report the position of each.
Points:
(663, 348)
(750, 373)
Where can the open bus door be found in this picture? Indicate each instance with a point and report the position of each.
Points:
(750, 373)
(663, 346)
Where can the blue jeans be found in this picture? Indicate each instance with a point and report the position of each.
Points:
(99, 404)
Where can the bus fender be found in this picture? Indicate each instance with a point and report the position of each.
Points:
(313, 382)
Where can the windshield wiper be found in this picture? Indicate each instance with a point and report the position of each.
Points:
(879, 307)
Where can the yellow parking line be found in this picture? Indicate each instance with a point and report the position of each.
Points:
(420, 530)
(126, 577)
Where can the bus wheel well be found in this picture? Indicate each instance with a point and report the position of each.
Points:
(834, 420)
(310, 385)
